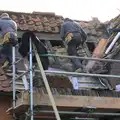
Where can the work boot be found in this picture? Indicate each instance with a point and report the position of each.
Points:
(79, 70)
(68, 67)
(77, 63)
(5, 64)
(9, 71)
(83, 70)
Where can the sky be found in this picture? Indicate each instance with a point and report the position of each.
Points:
(74, 9)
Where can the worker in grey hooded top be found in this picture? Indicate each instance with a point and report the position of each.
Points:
(7, 25)
(74, 36)
(8, 36)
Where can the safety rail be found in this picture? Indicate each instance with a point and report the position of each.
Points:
(82, 58)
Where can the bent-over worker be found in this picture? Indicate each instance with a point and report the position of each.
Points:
(74, 36)
(8, 37)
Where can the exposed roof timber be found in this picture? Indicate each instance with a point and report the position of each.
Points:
(100, 104)
(43, 36)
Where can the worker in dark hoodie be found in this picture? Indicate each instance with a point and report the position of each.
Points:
(8, 37)
(74, 36)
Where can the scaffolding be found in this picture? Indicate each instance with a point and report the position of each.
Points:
(31, 110)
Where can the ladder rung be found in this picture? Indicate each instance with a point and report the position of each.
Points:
(19, 83)
(19, 88)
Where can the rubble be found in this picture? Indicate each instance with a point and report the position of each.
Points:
(110, 68)
(97, 31)
(115, 52)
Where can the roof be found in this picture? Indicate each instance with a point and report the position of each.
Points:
(47, 22)
(36, 21)
(4, 82)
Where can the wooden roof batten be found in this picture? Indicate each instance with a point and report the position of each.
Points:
(42, 35)
(63, 102)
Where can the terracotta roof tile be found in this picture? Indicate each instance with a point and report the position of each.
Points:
(1, 72)
(3, 77)
(36, 21)
(4, 82)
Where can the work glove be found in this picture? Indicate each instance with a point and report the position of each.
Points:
(14, 42)
(69, 36)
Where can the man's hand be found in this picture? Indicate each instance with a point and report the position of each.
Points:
(13, 42)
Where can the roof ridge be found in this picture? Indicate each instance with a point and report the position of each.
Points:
(32, 13)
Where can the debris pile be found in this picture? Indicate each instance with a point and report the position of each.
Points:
(115, 22)
(95, 29)
(111, 50)
(115, 52)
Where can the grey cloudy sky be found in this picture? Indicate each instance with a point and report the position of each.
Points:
(75, 9)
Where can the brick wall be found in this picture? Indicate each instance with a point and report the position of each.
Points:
(5, 103)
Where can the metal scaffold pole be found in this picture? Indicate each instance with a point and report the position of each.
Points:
(31, 81)
(82, 74)
(13, 82)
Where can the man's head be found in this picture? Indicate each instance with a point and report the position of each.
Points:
(67, 19)
(4, 15)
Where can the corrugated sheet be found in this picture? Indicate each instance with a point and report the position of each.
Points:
(90, 83)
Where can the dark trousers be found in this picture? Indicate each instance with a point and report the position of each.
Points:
(72, 51)
(7, 48)
(7, 51)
